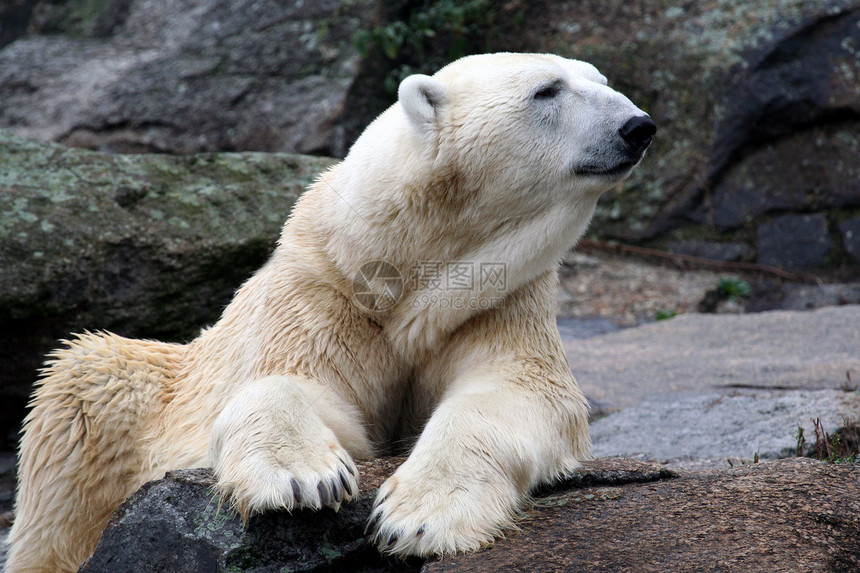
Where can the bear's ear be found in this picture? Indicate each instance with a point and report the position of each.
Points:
(421, 98)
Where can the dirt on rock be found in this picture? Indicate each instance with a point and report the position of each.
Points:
(626, 291)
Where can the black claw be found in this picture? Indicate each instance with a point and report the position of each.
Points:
(420, 531)
(325, 495)
(348, 467)
(345, 482)
(392, 539)
(336, 491)
(297, 491)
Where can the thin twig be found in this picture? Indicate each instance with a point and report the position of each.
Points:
(694, 260)
(822, 440)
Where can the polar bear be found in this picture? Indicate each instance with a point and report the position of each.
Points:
(411, 294)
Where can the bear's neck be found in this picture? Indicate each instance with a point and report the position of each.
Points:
(517, 254)
(453, 262)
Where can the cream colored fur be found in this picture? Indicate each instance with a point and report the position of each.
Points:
(297, 379)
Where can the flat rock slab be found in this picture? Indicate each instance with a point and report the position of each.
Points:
(615, 514)
(791, 515)
(717, 426)
(703, 353)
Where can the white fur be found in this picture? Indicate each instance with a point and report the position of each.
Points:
(480, 163)
(420, 97)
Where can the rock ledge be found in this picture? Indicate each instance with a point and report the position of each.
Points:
(616, 514)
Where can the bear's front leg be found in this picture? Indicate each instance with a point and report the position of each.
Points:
(282, 442)
(493, 438)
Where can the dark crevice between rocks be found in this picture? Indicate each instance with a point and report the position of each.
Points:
(786, 87)
(610, 472)
(763, 109)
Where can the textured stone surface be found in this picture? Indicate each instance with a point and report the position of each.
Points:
(145, 245)
(615, 514)
(142, 75)
(698, 389)
(813, 169)
(794, 242)
(703, 353)
(792, 515)
(756, 103)
(715, 426)
(176, 525)
(807, 297)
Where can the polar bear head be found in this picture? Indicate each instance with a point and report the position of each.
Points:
(519, 131)
(502, 155)
(522, 118)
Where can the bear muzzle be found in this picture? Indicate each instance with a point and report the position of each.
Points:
(622, 152)
(637, 132)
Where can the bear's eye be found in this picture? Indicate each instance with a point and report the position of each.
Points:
(548, 92)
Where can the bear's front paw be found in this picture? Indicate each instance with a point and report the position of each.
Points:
(270, 451)
(285, 479)
(427, 513)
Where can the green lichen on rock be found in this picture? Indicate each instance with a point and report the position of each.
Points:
(75, 206)
(143, 245)
(699, 70)
(214, 519)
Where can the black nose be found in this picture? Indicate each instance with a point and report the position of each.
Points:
(638, 131)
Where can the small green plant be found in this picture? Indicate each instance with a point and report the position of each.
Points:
(800, 446)
(731, 288)
(665, 314)
(456, 19)
(433, 33)
(840, 447)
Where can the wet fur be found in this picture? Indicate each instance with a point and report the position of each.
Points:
(296, 380)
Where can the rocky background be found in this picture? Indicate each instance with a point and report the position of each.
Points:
(758, 103)
(756, 162)
(134, 198)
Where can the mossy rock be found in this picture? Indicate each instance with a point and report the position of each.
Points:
(143, 245)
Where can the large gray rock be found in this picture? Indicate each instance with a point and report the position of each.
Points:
(715, 427)
(793, 515)
(757, 103)
(703, 353)
(176, 525)
(144, 245)
(184, 77)
(699, 388)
